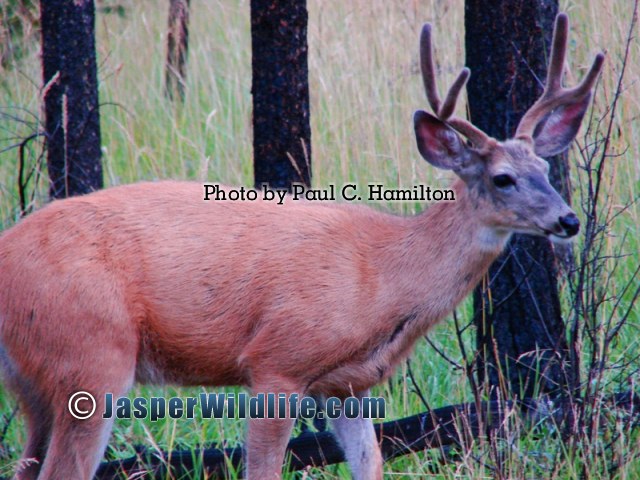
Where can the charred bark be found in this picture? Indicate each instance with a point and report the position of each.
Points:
(521, 333)
(71, 97)
(280, 88)
(177, 49)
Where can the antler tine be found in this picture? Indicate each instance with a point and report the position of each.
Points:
(428, 68)
(554, 93)
(590, 78)
(558, 53)
(444, 111)
(449, 105)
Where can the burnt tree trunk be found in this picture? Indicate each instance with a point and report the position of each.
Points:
(521, 333)
(72, 121)
(177, 48)
(280, 88)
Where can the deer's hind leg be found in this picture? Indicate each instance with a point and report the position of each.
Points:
(95, 353)
(39, 423)
(77, 446)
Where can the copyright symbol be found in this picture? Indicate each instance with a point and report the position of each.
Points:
(76, 410)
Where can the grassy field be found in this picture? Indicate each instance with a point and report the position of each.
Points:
(365, 85)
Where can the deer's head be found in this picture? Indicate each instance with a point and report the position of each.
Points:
(509, 180)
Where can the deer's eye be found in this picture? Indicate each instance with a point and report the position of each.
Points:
(504, 181)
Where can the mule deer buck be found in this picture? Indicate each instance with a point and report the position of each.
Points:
(148, 283)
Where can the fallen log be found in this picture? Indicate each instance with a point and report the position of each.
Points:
(451, 425)
(438, 428)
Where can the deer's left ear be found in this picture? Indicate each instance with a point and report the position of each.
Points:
(555, 131)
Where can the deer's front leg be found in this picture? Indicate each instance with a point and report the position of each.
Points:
(267, 438)
(266, 445)
(358, 440)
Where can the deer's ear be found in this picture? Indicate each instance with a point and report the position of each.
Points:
(555, 131)
(438, 143)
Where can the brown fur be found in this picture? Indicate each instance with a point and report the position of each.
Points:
(149, 282)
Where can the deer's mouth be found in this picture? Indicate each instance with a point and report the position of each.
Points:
(558, 237)
(558, 234)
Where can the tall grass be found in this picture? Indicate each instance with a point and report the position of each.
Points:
(365, 85)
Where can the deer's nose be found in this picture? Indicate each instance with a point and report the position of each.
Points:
(570, 223)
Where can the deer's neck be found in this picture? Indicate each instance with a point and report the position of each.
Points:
(443, 254)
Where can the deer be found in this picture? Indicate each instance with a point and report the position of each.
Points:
(147, 283)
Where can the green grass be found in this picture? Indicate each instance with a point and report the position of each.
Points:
(365, 86)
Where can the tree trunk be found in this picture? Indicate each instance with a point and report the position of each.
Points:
(280, 88)
(177, 48)
(521, 333)
(71, 97)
